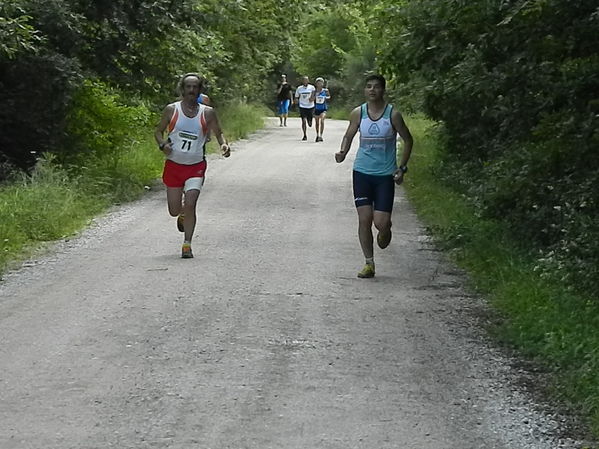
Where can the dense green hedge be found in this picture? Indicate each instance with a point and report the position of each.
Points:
(515, 85)
(135, 50)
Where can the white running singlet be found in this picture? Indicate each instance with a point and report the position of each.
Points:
(187, 136)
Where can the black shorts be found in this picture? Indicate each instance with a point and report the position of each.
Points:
(371, 190)
(317, 112)
(307, 113)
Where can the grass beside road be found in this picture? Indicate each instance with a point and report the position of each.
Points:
(542, 319)
(55, 202)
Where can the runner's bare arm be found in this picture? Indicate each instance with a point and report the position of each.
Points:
(352, 129)
(214, 125)
(406, 136)
(163, 143)
(408, 143)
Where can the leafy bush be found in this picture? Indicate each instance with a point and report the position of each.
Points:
(48, 48)
(516, 88)
(99, 125)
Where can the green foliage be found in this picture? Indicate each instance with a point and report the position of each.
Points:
(40, 207)
(539, 316)
(333, 41)
(35, 91)
(516, 87)
(325, 37)
(139, 47)
(99, 125)
(16, 34)
(53, 202)
(239, 119)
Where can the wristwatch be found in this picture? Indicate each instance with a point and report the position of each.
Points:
(403, 168)
(162, 145)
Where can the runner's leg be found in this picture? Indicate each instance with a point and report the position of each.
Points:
(383, 206)
(317, 118)
(365, 217)
(280, 112)
(189, 209)
(173, 198)
(382, 221)
(322, 117)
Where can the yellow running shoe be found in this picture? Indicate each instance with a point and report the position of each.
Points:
(383, 240)
(367, 271)
(186, 251)
(180, 223)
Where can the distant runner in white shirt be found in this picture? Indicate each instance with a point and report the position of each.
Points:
(306, 94)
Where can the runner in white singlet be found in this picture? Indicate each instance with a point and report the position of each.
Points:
(188, 124)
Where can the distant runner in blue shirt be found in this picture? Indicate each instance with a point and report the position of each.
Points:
(322, 95)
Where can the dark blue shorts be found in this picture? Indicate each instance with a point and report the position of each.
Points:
(376, 191)
(317, 112)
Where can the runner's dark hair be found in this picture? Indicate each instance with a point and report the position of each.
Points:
(187, 75)
(376, 76)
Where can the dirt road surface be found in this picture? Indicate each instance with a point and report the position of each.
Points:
(266, 339)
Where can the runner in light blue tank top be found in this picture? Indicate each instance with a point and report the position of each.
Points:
(377, 154)
(375, 170)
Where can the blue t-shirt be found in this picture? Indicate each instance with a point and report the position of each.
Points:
(321, 100)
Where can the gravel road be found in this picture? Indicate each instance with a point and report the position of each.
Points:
(266, 339)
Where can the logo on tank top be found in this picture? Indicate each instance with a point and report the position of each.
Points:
(187, 135)
(374, 129)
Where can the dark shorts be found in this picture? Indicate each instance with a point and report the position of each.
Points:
(376, 191)
(307, 113)
(317, 112)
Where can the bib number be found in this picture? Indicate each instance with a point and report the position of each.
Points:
(186, 145)
(189, 141)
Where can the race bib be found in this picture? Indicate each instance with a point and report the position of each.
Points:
(188, 142)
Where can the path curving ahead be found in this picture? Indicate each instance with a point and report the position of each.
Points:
(266, 339)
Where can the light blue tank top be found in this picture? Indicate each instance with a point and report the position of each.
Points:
(377, 154)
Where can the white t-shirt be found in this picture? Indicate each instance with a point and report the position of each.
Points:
(304, 93)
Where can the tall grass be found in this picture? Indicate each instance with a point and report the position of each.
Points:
(58, 199)
(541, 318)
(54, 202)
(238, 120)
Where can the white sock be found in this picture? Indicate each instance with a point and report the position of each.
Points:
(370, 260)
